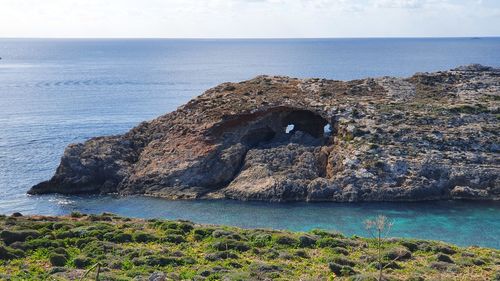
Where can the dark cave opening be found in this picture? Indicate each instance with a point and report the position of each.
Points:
(271, 131)
(279, 126)
(259, 135)
(305, 121)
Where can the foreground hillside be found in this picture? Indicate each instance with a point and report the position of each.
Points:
(430, 136)
(63, 248)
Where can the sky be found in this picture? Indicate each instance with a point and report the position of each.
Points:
(248, 18)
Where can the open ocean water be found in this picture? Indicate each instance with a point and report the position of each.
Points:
(55, 92)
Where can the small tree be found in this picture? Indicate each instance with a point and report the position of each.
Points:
(379, 227)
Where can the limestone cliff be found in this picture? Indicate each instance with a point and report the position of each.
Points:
(430, 136)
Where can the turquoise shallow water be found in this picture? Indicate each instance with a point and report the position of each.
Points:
(462, 223)
(55, 92)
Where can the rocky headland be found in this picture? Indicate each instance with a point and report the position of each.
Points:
(427, 137)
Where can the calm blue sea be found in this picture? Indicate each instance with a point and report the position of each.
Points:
(55, 92)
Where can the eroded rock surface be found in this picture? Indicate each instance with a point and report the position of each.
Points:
(430, 136)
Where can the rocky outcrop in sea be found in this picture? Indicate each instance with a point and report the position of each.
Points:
(427, 137)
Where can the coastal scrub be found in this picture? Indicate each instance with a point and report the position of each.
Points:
(64, 248)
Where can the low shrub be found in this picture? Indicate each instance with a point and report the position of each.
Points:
(76, 214)
(174, 232)
(7, 253)
(61, 226)
(410, 245)
(10, 237)
(340, 250)
(186, 226)
(220, 256)
(442, 248)
(202, 233)
(98, 249)
(227, 234)
(57, 259)
(118, 237)
(81, 242)
(324, 233)
(262, 240)
(18, 245)
(398, 253)
(94, 217)
(231, 245)
(272, 254)
(386, 264)
(442, 266)
(163, 261)
(343, 261)
(42, 243)
(307, 241)
(331, 242)
(301, 254)
(169, 225)
(81, 262)
(65, 234)
(143, 237)
(286, 240)
(341, 270)
(174, 238)
(444, 258)
(61, 251)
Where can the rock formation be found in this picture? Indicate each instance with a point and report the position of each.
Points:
(430, 136)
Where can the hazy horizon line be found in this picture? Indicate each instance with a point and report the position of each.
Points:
(258, 38)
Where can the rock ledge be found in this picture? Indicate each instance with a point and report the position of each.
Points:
(427, 137)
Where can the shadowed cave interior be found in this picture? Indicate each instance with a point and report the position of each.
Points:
(281, 126)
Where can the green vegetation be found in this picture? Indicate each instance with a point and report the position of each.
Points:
(469, 109)
(115, 248)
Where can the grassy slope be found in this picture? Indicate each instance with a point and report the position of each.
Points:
(61, 248)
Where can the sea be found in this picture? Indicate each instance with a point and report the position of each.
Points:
(54, 92)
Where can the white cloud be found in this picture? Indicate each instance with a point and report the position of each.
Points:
(248, 18)
(405, 4)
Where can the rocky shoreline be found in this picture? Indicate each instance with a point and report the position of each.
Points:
(431, 136)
